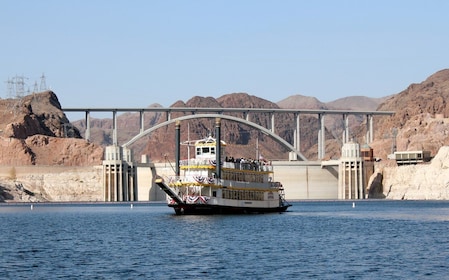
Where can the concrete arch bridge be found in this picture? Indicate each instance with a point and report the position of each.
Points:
(223, 113)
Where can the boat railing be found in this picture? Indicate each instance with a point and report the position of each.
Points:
(251, 165)
(182, 180)
(239, 165)
(196, 162)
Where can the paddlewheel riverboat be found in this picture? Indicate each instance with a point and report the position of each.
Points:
(211, 183)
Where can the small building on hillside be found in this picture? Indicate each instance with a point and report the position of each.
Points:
(412, 157)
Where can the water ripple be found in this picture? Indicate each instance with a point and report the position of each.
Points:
(318, 240)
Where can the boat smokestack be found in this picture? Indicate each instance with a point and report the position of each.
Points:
(178, 148)
(218, 147)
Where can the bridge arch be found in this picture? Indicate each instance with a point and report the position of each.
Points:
(268, 132)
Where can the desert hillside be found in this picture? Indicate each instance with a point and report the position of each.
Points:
(35, 131)
(420, 121)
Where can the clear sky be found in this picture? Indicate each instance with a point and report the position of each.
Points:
(97, 53)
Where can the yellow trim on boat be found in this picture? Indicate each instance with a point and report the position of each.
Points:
(183, 167)
(246, 171)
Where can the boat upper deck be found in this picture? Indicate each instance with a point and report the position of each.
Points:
(239, 164)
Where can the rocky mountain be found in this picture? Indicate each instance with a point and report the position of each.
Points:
(421, 118)
(361, 103)
(35, 131)
(301, 102)
(38, 113)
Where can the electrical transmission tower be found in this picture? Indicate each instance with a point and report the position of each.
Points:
(43, 85)
(15, 87)
(20, 86)
(36, 89)
(9, 87)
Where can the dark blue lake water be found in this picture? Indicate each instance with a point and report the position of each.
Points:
(317, 240)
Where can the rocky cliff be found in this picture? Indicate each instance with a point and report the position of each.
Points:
(51, 183)
(35, 131)
(39, 113)
(413, 182)
(420, 123)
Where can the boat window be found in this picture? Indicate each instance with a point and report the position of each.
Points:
(205, 150)
(198, 151)
(214, 193)
(212, 150)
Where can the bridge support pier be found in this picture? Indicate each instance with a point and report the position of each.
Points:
(114, 128)
(142, 121)
(369, 128)
(321, 137)
(346, 129)
(297, 136)
(88, 126)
